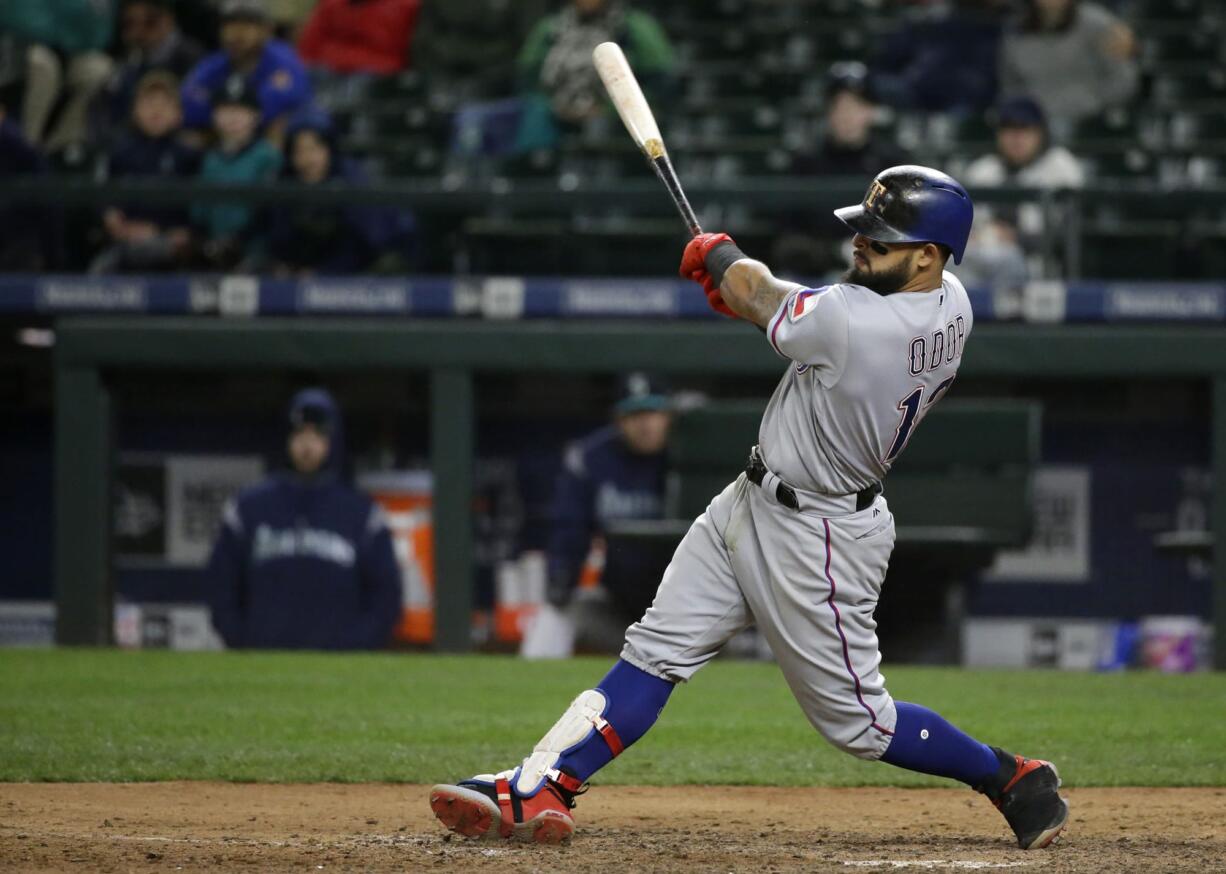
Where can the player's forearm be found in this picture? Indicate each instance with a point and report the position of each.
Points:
(753, 292)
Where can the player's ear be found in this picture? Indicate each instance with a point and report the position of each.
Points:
(929, 254)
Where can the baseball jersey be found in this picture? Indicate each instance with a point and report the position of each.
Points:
(866, 369)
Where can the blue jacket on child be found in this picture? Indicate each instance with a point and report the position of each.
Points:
(306, 562)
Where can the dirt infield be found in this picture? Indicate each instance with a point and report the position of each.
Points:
(192, 826)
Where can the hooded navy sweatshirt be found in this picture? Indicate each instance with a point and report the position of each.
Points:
(306, 562)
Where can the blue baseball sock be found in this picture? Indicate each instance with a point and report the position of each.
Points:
(635, 701)
(925, 742)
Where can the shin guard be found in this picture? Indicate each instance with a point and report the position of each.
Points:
(597, 726)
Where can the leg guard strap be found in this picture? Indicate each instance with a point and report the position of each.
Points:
(502, 787)
(610, 736)
(566, 781)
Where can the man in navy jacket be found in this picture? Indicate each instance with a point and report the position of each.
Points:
(617, 473)
(304, 560)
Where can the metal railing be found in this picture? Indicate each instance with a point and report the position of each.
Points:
(1068, 213)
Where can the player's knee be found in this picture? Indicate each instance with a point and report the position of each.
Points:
(859, 741)
(859, 733)
(649, 659)
(869, 745)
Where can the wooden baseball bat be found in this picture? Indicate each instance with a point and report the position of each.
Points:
(632, 106)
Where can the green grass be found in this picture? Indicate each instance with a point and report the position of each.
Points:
(117, 716)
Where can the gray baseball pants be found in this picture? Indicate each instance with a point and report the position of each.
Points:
(809, 579)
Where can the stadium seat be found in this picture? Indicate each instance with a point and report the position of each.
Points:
(972, 133)
(768, 162)
(1197, 132)
(1178, 10)
(537, 164)
(1182, 90)
(1180, 44)
(1134, 163)
(401, 86)
(1116, 127)
(410, 158)
(841, 44)
(720, 81)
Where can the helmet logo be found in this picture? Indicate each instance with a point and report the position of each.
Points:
(874, 191)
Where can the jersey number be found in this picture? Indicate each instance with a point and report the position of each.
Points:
(910, 407)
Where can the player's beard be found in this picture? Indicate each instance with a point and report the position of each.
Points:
(881, 281)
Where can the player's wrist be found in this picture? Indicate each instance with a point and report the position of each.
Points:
(720, 257)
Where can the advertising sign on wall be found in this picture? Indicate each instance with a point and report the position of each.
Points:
(168, 507)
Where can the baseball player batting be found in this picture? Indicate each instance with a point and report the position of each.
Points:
(799, 543)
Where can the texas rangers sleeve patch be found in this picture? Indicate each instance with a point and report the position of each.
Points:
(804, 303)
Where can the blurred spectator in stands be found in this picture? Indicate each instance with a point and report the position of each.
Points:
(239, 156)
(1007, 239)
(145, 236)
(556, 71)
(811, 242)
(942, 57)
(1024, 155)
(66, 62)
(615, 474)
(848, 146)
(470, 46)
(22, 227)
(1074, 57)
(303, 560)
(324, 239)
(150, 39)
(359, 36)
(270, 66)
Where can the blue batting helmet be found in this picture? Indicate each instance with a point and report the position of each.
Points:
(913, 204)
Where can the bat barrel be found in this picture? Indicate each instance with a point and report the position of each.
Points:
(632, 106)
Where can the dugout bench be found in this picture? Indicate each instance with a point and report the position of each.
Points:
(960, 492)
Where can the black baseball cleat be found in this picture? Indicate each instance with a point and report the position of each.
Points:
(1025, 791)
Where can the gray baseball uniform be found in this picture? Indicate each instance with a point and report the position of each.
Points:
(866, 368)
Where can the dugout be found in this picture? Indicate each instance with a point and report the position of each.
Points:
(90, 352)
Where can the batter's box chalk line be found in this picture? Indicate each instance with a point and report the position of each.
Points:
(930, 864)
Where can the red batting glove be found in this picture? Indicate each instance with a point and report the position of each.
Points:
(693, 267)
(716, 300)
(696, 251)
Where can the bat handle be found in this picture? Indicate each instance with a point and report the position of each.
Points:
(664, 169)
(687, 216)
